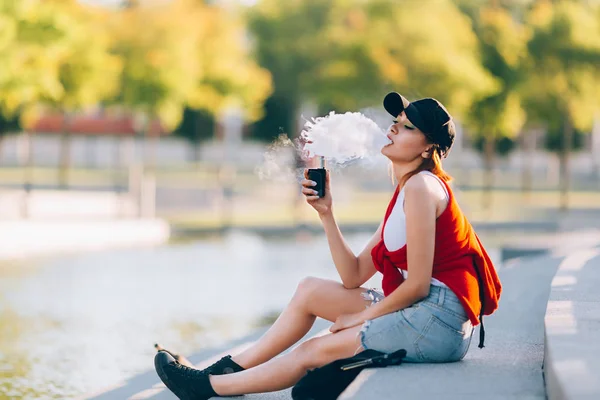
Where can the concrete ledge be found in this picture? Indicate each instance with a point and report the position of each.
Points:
(316, 228)
(552, 243)
(19, 239)
(509, 367)
(572, 322)
(65, 204)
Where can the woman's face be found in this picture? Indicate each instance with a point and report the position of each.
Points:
(408, 142)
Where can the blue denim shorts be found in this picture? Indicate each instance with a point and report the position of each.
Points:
(433, 330)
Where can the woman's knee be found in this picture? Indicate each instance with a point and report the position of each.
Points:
(307, 288)
(312, 354)
(326, 298)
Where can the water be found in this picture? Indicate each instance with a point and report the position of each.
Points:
(76, 324)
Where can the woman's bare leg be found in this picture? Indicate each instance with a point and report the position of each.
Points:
(285, 371)
(314, 297)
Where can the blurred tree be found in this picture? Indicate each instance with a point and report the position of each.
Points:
(293, 44)
(499, 116)
(196, 126)
(154, 45)
(229, 76)
(32, 41)
(88, 73)
(8, 124)
(563, 88)
(280, 117)
(344, 53)
(186, 53)
(427, 51)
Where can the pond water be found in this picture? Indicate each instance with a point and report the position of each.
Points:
(75, 324)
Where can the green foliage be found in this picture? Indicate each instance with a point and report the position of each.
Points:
(87, 71)
(185, 54)
(280, 118)
(196, 125)
(33, 40)
(564, 80)
(427, 51)
(502, 145)
(554, 140)
(502, 42)
(152, 60)
(158, 74)
(346, 53)
(497, 65)
(228, 74)
(8, 124)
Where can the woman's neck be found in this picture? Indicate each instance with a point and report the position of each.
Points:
(401, 170)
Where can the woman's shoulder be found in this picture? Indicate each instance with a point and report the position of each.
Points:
(420, 180)
(425, 183)
(417, 184)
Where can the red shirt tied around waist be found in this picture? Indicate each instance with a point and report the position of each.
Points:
(460, 262)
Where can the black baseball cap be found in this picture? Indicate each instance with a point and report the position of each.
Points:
(429, 115)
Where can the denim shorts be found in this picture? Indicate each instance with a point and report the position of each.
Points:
(433, 330)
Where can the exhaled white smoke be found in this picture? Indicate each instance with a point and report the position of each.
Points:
(278, 161)
(339, 138)
(342, 138)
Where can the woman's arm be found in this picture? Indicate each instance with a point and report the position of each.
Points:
(353, 270)
(344, 259)
(420, 206)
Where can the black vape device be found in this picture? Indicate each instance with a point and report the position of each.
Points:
(318, 175)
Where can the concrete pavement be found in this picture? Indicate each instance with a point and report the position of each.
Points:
(572, 323)
(510, 365)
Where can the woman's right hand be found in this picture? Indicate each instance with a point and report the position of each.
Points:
(321, 204)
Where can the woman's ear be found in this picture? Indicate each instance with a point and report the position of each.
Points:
(427, 153)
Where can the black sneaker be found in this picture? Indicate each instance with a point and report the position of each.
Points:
(224, 366)
(178, 357)
(185, 382)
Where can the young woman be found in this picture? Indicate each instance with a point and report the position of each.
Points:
(438, 281)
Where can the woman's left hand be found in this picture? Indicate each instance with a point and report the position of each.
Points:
(345, 321)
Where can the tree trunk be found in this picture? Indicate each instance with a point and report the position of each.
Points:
(91, 149)
(115, 169)
(65, 153)
(116, 164)
(529, 140)
(565, 171)
(197, 133)
(27, 173)
(138, 170)
(488, 184)
(154, 141)
(595, 149)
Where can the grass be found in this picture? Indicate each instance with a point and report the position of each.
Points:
(366, 208)
(353, 206)
(195, 177)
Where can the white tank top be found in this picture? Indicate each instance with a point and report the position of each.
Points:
(394, 234)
